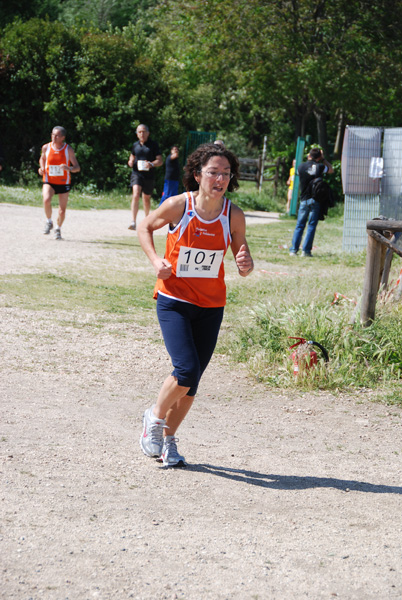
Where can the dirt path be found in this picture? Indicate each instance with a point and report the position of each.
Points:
(286, 497)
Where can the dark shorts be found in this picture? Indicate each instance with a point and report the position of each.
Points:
(59, 189)
(190, 334)
(146, 184)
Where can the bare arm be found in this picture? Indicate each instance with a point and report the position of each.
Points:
(329, 166)
(131, 161)
(239, 244)
(158, 162)
(74, 167)
(42, 160)
(326, 163)
(170, 211)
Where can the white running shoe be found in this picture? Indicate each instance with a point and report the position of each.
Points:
(57, 234)
(133, 226)
(48, 227)
(170, 457)
(151, 440)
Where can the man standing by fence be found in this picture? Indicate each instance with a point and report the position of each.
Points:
(309, 209)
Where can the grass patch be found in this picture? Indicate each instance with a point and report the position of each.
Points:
(248, 198)
(78, 199)
(359, 357)
(55, 292)
(291, 296)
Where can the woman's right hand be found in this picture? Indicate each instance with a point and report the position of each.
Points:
(163, 268)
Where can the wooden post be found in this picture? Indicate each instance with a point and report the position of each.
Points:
(388, 260)
(276, 176)
(264, 150)
(374, 264)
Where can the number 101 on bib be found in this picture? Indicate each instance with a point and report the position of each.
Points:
(197, 262)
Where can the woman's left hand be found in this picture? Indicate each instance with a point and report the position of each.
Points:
(244, 261)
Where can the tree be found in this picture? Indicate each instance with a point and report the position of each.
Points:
(32, 56)
(103, 14)
(290, 60)
(27, 9)
(99, 85)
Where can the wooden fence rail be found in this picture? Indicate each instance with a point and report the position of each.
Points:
(253, 169)
(382, 233)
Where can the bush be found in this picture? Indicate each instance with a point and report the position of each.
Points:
(358, 357)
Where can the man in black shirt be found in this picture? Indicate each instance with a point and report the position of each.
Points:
(145, 156)
(309, 209)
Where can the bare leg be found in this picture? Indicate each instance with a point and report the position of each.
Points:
(47, 194)
(290, 192)
(176, 414)
(63, 199)
(169, 394)
(135, 202)
(172, 404)
(146, 201)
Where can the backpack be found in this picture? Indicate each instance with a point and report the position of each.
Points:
(321, 192)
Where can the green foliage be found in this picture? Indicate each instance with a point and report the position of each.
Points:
(254, 200)
(335, 180)
(27, 9)
(32, 55)
(104, 14)
(293, 62)
(99, 85)
(243, 68)
(113, 90)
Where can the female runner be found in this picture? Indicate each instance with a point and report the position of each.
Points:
(190, 288)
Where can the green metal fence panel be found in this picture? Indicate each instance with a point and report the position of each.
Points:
(301, 142)
(196, 138)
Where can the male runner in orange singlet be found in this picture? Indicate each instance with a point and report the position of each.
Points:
(57, 162)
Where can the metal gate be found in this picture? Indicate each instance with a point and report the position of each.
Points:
(195, 139)
(371, 180)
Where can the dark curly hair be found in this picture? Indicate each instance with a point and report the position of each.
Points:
(200, 157)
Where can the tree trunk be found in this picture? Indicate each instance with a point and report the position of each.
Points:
(339, 134)
(321, 120)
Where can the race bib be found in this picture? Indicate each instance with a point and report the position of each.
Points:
(55, 171)
(195, 262)
(142, 165)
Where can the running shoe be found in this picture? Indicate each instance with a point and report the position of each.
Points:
(133, 226)
(151, 440)
(48, 227)
(57, 234)
(307, 254)
(170, 457)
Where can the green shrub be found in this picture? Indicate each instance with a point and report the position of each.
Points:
(358, 357)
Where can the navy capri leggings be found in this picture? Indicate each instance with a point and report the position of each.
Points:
(190, 334)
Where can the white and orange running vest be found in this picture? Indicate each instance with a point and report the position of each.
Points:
(196, 248)
(54, 158)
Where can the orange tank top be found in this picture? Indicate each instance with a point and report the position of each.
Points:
(54, 158)
(196, 248)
